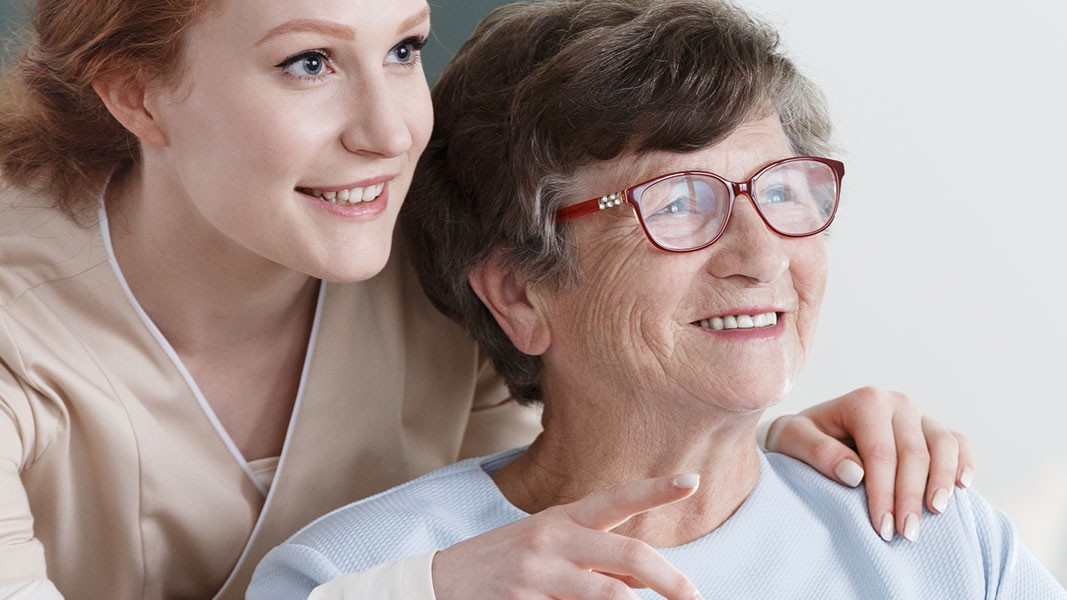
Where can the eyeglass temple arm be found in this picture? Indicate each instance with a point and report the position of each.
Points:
(589, 207)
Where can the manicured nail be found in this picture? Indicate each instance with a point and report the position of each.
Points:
(911, 527)
(686, 482)
(940, 500)
(967, 477)
(849, 472)
(886, 531)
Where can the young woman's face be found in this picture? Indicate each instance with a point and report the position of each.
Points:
(296, 126)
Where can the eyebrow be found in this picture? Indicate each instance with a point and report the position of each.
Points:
(336, 30)
(415, 19)
(313, 25)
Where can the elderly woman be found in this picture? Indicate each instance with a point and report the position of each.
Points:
(623, 202)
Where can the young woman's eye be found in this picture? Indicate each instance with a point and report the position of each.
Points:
(407, 52)
(307, 65)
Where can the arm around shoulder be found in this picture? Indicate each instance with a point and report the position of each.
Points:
(35, 589)
(293, 571)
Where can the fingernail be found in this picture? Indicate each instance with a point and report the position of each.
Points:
(697, 596)
(849, 472)
(886, 531)
(911, 527)
(940, 500)
(687, 481)
(966, 477)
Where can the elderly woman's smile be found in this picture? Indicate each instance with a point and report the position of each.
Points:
(727, 325)
(760, 320)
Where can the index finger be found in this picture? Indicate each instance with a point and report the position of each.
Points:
(608, 509)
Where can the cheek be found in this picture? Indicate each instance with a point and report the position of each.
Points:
(809, 269)
(239, 137)
(418, 113)
(624, 309)
(412, 103)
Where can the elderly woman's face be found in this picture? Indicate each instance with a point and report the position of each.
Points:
(639, 318)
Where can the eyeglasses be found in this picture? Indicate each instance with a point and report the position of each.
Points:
(688, 211)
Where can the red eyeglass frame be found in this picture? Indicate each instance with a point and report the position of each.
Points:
(736, 188)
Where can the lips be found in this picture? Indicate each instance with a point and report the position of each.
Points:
(739, 321)
(352, 195)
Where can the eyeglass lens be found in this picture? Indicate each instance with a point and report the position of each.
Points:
(686, 211)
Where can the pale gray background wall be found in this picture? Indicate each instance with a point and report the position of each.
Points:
(947, 262)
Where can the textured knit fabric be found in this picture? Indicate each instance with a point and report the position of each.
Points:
(117, 480)
(798, 535)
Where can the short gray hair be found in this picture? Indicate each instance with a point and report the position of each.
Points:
(543, 89)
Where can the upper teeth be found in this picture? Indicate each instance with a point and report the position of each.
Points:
(767, 319)
(349, 196)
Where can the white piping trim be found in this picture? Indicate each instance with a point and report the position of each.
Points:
(288, 434)
(173, 355)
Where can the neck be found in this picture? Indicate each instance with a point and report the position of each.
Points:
(197, 285)
(592, 444)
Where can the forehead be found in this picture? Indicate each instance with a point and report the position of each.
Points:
(752, 145)
(245, 21)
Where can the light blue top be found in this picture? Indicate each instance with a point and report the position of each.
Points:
(798, 535)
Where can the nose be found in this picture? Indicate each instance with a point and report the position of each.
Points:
(748, 248)
(376, 124)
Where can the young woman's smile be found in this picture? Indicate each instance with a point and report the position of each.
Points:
(294, 131)
(362, 201)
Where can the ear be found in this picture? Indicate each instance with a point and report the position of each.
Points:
(130, 102)
(508, 296)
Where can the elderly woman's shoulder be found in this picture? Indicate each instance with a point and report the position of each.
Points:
(971, 545)
(968, 512)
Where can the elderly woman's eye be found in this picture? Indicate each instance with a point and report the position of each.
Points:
(777, 195)
(679, 205)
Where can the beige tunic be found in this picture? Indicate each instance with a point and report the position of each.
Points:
(116, 479)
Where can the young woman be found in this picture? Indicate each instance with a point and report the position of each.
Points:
(207, 337)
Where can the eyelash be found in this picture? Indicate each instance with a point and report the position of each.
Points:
(321, 54)
(415, 42)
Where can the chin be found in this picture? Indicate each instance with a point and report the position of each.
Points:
(353, 269)
(758, 399)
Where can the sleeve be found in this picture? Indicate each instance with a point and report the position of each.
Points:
(1011, 571)
(36, 589)
(293, 571)
(498, 422)
(21, 555)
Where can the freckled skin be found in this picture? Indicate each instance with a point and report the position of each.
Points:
(625, 333)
